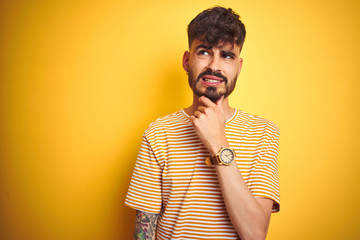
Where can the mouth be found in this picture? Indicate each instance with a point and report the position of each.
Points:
(211, 80)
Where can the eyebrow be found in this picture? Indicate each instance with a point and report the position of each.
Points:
(228, 53)
(204, 46)
(208, 47)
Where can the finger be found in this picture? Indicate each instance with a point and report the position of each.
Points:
(206, 102)
(220, 101)
(197, 114)
(201, 109)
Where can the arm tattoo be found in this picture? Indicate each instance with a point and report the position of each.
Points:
(145, 225)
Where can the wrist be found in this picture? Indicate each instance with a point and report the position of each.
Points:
(216, 148)
(225, 156)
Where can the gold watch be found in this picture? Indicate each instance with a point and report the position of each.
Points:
(225, 156)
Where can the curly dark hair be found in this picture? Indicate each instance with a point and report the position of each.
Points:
(217, 25)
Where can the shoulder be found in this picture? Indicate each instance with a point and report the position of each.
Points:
(176, 120)
(256, 123)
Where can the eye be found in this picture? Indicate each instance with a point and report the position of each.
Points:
(228, 56)
(203, 52)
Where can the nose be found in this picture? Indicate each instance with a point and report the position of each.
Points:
(214, 63)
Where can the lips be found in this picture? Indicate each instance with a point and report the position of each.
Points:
(211, 80)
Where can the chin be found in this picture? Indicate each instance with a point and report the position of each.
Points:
(210, 93)
(213, 98)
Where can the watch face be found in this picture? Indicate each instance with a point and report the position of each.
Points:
(227, 156)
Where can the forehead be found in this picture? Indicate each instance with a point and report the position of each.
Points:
(222, 46)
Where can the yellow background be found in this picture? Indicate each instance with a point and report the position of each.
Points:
(81, 80)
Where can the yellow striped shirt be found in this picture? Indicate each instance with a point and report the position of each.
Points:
(171, 178)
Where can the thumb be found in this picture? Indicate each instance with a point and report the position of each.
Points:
(220, 101)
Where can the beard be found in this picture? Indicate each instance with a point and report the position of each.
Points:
(212, 93)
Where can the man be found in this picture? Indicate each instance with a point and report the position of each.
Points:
(208, 171)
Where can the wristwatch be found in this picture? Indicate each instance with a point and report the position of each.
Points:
(225, 156)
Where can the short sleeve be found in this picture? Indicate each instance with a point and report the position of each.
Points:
(144, 191)
(264, 180)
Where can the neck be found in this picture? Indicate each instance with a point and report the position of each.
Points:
(228, 110)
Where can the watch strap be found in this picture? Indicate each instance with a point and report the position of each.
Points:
(212, 160)
(215, 160)
(208, 161)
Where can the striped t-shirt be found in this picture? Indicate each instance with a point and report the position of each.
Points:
(171, 178)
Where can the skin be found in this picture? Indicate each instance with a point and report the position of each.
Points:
(250, 216)
(203, 57)
(145, 226)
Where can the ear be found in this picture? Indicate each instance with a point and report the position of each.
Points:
(240, 65)
(185, 61)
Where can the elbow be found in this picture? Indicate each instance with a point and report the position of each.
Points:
(255, 237)
(259, 234)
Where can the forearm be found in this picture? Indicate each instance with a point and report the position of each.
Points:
(248, 217)
(145, 226)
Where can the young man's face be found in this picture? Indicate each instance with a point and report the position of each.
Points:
(212, 70)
